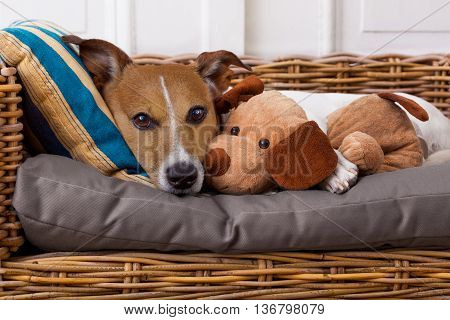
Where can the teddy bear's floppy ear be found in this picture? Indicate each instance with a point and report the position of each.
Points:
(303, 159)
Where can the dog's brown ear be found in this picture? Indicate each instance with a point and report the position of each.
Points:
(104, 60)
(213, 67)
(303, 159)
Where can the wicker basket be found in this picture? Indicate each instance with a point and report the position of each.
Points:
(399, 273)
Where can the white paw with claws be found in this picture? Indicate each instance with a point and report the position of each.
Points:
(343, 178)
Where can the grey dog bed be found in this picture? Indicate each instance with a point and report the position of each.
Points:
(65, 205)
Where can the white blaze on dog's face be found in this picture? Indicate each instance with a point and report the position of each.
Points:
(165, 113)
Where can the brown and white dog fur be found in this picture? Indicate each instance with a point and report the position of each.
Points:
(165, 113)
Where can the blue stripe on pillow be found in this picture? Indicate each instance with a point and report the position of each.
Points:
(107, 138)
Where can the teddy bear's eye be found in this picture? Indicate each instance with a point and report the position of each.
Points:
(264, 143)
(234, 131)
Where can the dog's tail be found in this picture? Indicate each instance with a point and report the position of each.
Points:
(411, 106)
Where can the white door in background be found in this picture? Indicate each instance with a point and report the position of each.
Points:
(180, 26)
(267, 28)
(403, 26)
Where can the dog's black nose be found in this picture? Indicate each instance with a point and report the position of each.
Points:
(182, 175)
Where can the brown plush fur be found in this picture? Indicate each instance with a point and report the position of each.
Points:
(298, 155)
(376, 134)
(363, 150)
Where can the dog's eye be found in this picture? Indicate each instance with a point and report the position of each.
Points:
(196, 114)
(264, 143)
(143, 121)
(234, 131)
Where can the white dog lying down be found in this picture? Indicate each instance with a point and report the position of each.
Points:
(434, 133)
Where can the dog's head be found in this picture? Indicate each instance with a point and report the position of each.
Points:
(165, 113)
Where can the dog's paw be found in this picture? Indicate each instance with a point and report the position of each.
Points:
(343, 178)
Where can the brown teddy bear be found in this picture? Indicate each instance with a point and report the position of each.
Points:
(268, 140)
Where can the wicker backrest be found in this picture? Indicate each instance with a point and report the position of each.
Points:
(426, 76)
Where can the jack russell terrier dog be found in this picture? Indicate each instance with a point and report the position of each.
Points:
(166, 113)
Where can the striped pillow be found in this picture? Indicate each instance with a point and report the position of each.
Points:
(63, 109)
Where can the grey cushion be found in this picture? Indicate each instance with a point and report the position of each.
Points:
(65, 205)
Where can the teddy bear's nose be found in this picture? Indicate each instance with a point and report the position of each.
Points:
(217, 162)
